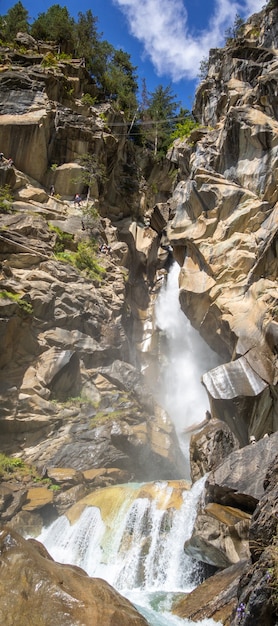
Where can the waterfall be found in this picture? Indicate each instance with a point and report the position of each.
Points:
(133, 535)
(136, 545)
(184, 358)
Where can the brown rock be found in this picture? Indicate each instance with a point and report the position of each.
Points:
(215, 598)
(35, 589)
(209, 447)
(220, 536)
(231, 484)
(64, 476)
(38, 497)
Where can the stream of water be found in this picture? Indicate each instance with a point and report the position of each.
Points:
(133, 536)
(136, 545)
(184, 358)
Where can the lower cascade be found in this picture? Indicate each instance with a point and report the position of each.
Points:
(132, 536)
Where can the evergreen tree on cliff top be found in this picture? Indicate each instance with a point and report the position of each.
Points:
(14, 21)
(55, 25)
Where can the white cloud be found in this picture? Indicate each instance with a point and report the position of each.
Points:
(162, 28)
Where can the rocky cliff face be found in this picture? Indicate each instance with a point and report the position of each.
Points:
(76, 325)
(224, 229)
(71, 392)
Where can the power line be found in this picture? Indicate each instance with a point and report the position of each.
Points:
(150, 122)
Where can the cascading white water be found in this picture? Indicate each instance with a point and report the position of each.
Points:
(142, 547)
(139, 550)
(186, 357)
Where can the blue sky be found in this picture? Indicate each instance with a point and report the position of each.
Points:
(166, 39)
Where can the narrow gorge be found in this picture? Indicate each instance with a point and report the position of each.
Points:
(139, 343)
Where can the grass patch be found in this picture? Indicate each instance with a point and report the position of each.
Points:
(16, 297)
(10, 465)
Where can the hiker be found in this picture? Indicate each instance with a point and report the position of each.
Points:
(1, 156)
(52, 190)
(77, 199)
(10, 162)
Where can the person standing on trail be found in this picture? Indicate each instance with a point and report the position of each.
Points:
(77, 199)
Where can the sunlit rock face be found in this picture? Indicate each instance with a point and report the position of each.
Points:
(224, 228)
(36, 589)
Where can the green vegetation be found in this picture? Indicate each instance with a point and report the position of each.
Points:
(10, 465)
(14, 21)
(49, 60)
(55, 25)
(152, 121)
(16, 297)
(158, 119)
(93, 171)
(184, 128)
(54, 487)
(85, 260)
(88, 99)
(234, 31)
(63, 240)
(6, 199)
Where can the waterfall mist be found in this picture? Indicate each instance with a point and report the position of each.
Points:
(184, 358)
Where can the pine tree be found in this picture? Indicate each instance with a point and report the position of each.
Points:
(15, 21)
(158, 120)
(55, 25)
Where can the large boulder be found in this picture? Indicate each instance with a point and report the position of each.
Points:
(220, 536)
(230, 484)
(215, 598)
(35, 589)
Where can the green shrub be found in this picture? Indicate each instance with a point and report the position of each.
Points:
(49, 60)
(6, 199)
(184, 129)
(63, 56)
(85, 260)
(88, 99)
(62, 240)
(54, 487)
(66, 257)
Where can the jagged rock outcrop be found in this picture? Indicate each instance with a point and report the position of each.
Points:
(46, 127)
(224, 229)
(35, 589)
(209, 447)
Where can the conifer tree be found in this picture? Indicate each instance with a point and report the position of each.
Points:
(16, 20)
